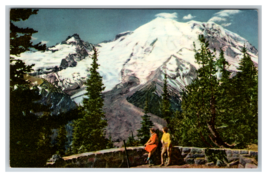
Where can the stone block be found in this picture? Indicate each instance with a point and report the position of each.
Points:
(244, 160)
(228, 152)
(195, 155)
(250, 165)
(236, 162)
(189, 161)
(184, 154)
(231, 159)
(197, 150)
(243, 152)
(235, 152)
(186, 150)
(199, 161)
(253, 153)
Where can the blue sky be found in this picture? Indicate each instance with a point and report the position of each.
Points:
(96, 25)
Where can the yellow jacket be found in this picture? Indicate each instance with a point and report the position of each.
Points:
(166, 139)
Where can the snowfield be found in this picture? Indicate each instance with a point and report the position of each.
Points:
(160, 42)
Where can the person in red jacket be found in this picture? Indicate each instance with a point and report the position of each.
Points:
(151, 144)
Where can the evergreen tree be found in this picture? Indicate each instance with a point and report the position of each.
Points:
(225, 102)
(165, 105)
(89, 130)
(131, 141)
(201, 100)
(110, 143)
(20, 41)
(245, 95)
(29, 136)
(61, 140)
(144, 131)
(175, 124)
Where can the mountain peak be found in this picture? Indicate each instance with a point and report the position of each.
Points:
(73, 39)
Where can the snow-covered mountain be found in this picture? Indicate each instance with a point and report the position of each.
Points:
(133, 64)
(61, 64)
(139, 53)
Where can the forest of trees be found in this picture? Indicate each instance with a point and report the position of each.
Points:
(219, 110)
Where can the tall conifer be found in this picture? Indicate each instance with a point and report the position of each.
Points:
(29, 133)
(200, 103)
(165, 104)
(89, 129)
(61, 140)
(246, 99)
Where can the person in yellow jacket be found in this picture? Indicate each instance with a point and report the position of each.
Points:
(166, 145)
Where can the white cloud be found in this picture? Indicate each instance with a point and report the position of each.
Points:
(226, 13)
(44, 42)
(33, 38)
(188, 17)
(217, 19)
(226, 24)
(223, 16)
(168, 15)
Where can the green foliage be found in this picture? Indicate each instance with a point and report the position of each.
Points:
(29, 137)
(199, 98)
(30, 121)
(132, 142)
(144, 131)
(175, 126)
(20, 38)
(88, 131)
(110, 143)
(245, 95)
(165, 105)
(215, 156)
(61, 140)
(219, 110)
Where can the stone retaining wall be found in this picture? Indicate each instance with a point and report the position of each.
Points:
(116, 158)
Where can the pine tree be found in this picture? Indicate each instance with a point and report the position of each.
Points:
(245, 95)
(89, 130)
(20, 41)
(225, 102)
(144, 131)
(165, 105)
(131, 141)
(201, 100)
(110, 143)
(29, 135)
(61, 140)
(175, 124)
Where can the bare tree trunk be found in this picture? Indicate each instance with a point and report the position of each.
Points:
(216, 139)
